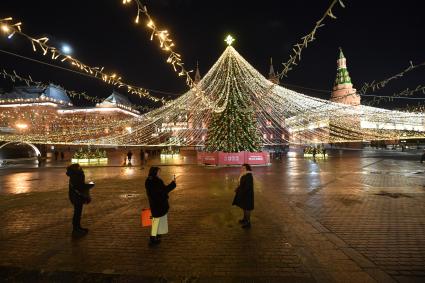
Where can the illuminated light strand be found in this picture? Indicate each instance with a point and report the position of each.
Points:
(266, 95)
(47, 126)
(414, 108)
(40, 44)
(165, 43)
(376, 97)
(174, 58)
(305, 40)
(405, 94)
(73, 71)
(283, 116)
(374, 86)
(14, 77)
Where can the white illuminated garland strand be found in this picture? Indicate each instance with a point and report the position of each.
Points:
(278, 111)
(40, 44)
(298, 48)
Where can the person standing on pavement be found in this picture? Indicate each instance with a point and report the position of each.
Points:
(39, 160)
(157, 193)
(142, 158)
(129, 156)
(146, 157)
(244, 197)
(423, 156)
(78, 195)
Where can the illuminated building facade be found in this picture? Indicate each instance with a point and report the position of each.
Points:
(42, 110)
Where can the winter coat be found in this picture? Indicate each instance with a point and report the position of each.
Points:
(157, 193)
(244, 197)
(78, 189)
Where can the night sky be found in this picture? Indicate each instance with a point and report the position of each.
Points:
(379, 38)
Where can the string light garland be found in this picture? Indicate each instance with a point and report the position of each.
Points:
(305, 40)
(169, 94)
(374, 86)
(281, 116)
(165, 42)
(14, 77)
(9, 28)
(405, 94)
(377, 99)
(414, 108)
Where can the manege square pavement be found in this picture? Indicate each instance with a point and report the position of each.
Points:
(354, 217)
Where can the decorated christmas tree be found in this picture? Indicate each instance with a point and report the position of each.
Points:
(233, 129)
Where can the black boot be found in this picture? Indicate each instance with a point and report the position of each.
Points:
(77, 232)
(247, 225)
(153, 241)
(85, 230)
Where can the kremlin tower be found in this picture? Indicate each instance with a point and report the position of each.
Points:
(343, 91)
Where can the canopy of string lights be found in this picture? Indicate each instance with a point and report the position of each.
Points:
(282, 116)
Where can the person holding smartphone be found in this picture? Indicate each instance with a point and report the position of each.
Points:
(79, 195)
(157, 193)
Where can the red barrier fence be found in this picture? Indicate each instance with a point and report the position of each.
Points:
(233, 158)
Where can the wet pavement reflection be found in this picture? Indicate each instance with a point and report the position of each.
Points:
(290, 175)
(327, 215)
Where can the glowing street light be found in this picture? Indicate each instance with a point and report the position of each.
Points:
(21, 126)
(66, 49)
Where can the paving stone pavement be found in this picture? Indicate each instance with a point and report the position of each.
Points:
(353, 218)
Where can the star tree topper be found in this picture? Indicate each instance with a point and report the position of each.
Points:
(229, 40)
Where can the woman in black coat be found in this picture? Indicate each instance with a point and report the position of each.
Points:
(157, 193)
(78, 195)
(244, 197)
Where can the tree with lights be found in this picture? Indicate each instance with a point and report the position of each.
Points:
(235, 128)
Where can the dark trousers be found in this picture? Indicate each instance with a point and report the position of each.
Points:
(76, 219)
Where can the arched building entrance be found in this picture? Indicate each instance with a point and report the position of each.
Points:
(37, 151)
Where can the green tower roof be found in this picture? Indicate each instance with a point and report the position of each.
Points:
(342, 75)
(341, 55)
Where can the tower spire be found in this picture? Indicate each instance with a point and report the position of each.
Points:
(341, 54)
(197, 74)
(272, 75)
(343, 91)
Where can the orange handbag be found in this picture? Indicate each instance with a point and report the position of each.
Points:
(146, 217)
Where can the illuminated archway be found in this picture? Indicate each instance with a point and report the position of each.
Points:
(37, 151)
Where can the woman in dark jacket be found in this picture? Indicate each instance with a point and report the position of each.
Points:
(157, 193)
(78, 195)
(244, 197)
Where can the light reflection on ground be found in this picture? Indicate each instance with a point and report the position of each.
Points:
(296, 175)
